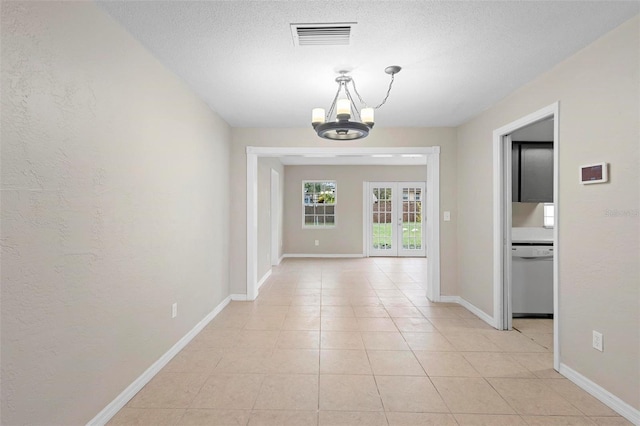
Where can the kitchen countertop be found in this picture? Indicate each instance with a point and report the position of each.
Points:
(532, 235)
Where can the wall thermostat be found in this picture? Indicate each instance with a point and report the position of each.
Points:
(594, 173)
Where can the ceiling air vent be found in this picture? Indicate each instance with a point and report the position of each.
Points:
(327, 34)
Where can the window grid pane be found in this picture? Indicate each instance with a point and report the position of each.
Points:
(381, 199)
(319, 201)
(412, 219)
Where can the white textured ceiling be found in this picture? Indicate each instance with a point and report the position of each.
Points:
(458, 58)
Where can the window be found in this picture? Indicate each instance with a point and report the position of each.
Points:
(549, 219)
(318, 204)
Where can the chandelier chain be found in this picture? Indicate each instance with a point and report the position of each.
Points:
(353, 83)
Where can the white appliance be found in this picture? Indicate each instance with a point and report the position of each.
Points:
(532, 279)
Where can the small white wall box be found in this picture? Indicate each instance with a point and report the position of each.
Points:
(594, 173)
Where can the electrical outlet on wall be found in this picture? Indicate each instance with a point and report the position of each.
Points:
(317, 242)
(174, 310)
(598, 341)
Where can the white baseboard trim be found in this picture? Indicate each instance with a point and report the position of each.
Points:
(472, 308)
(449, 299)
(238, 297)
(624, 409)
(264, 278)
(323, 255)
(607, 398)
(121, 400)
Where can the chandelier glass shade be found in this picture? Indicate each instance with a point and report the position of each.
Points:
(345, 121)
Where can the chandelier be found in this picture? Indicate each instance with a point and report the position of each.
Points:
(340, 126)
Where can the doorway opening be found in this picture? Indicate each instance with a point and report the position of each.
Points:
(395, 224)
(428, 156)
(504, 186)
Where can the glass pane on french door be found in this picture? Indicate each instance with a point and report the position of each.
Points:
(383, 218)
(412, 236)
(397, 222)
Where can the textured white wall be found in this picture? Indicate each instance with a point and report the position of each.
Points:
(115, 195)
(599, 93)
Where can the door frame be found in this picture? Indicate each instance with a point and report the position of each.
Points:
(432, 159)
(368, 216)
(275, 218)
(502, 199)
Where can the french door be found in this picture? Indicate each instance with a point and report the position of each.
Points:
(396, 220)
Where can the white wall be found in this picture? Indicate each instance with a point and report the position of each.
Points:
(527, 214)
(115, 195)
(536, 132)
(264, 208)
(346, 237)
(379, 137)
(599, 93)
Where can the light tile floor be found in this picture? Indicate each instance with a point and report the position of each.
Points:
(355, 342)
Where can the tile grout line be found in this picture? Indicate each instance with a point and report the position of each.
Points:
(375, 380)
